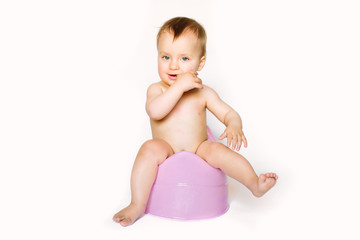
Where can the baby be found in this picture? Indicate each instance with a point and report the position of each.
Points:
(177, 109)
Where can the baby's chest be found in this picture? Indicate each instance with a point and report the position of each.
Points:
(189, 105)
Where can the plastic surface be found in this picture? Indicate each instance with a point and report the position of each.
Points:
(188, 188)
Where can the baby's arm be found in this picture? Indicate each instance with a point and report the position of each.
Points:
(229, 117)
(159, 103)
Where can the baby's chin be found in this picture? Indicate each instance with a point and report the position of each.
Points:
(168, 82)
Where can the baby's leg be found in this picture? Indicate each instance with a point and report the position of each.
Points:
(236, 166)
(151, 154)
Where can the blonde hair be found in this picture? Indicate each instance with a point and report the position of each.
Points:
(179, 25)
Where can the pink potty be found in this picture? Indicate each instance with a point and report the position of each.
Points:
(188, 188)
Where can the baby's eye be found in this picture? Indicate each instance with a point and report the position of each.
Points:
(184, 59)
(166, 57)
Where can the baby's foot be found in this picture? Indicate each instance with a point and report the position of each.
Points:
(128, 215)
(265, 183)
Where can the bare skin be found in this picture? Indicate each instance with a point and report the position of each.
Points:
(177, 109)
(151, 154)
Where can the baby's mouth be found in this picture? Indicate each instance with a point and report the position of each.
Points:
(172, 76)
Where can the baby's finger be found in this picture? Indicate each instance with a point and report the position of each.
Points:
(239, 143)
(222, 136)
(235, 142)
(197, 85)
(244, 140)
(229, 139)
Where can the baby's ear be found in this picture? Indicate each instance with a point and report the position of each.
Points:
(202, 63)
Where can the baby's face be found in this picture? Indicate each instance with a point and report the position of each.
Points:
(179, 56)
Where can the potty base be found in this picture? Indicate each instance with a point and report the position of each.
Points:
(188, 188)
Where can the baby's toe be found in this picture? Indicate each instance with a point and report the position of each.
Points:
(262, 178)
(125, 222)
(271, 175)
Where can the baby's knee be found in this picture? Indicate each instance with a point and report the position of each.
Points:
(150, 146)
(212, 153)
(154, 149)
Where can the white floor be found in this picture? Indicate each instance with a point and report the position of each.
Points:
(77, 201)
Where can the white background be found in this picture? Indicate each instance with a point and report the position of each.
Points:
(73, 80)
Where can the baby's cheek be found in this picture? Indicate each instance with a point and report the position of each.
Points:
(160, 68)
(162, 71)
(195, 67)
(190, 69)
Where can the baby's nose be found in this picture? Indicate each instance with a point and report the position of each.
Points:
(174, 65)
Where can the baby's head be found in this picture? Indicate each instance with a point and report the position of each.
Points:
(181, 44)
(180, 25)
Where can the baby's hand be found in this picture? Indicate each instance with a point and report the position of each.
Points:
(188, 81)
(235, 137)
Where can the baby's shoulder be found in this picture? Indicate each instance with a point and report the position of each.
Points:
(208, 91)
(155, 87)
(207, 88)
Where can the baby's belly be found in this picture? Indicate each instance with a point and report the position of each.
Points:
(179, 139)
(190, 143)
